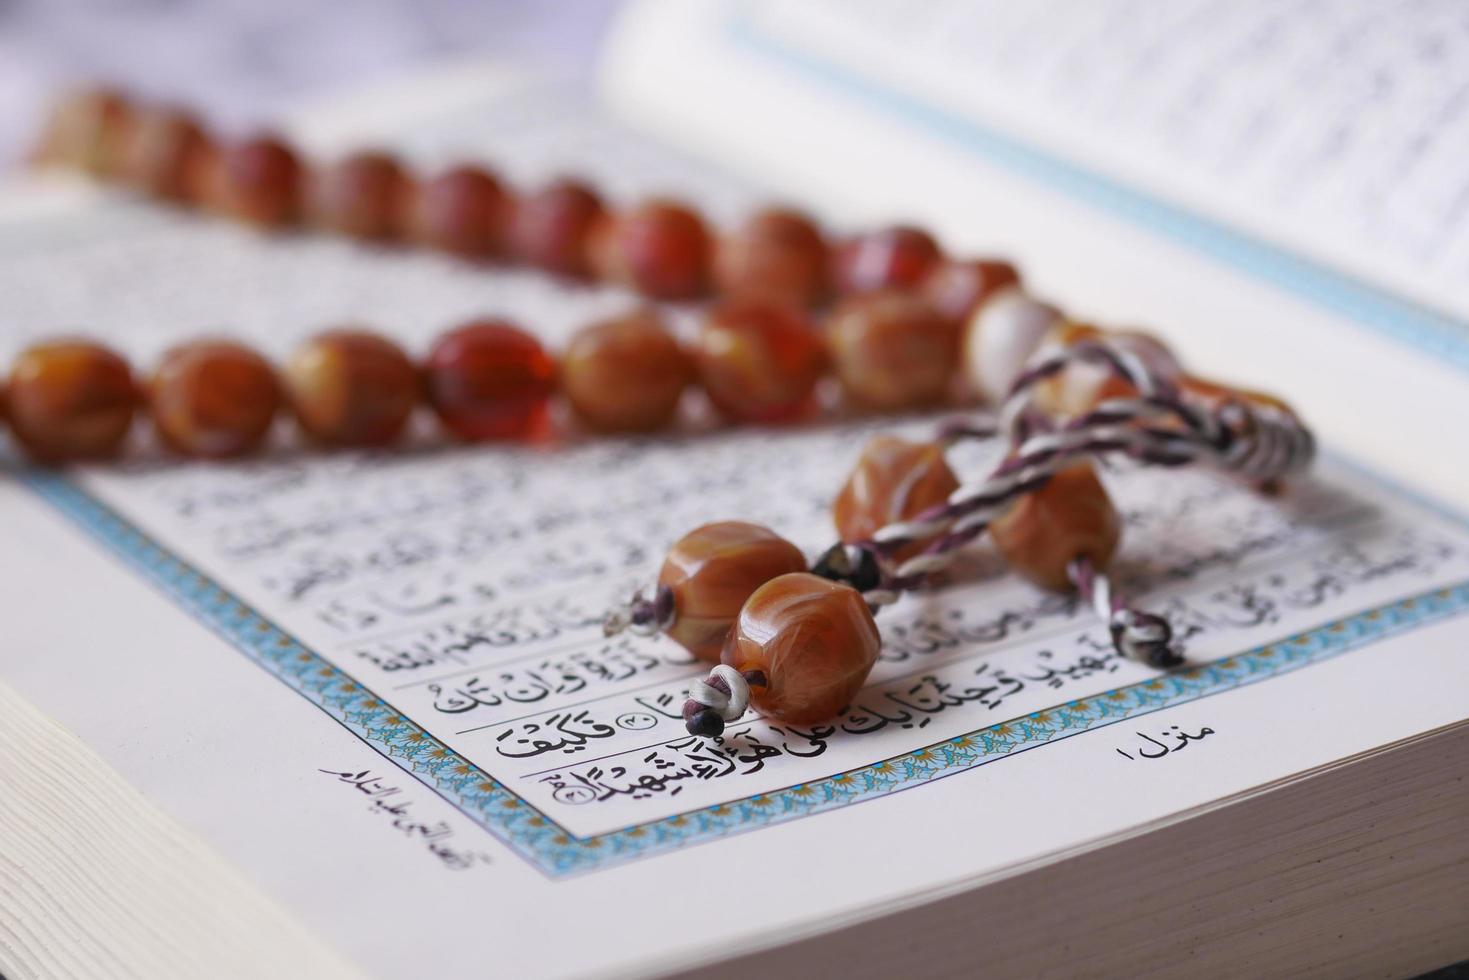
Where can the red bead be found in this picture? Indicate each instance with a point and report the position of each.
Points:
(170, 156)
(894, 480)
(214, 399)
(626, 374)
(777, 254)
(464, 211)
(660, 248)
(711, 571)
(958, 288)
(352, 388)
(366, 195)
(489, 380)
(812, 642)
(900, 257)
(759, 361)
(70, 400)
(259, 182)
(1046, 530)
(553, 228)
(892, 352)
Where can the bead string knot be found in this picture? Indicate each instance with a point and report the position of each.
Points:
(718, 699)
(640, 615)
(1136, 634)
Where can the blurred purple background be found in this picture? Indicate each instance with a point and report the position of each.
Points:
(247, 60)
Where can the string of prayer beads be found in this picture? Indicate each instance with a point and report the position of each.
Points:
(797, 644)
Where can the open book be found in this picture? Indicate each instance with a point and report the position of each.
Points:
(328, 715)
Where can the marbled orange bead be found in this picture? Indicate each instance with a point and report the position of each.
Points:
(899, 257)
(489, 380)
(366, 195)
(778, 253)
(660, 248)
(813, 640)
(351, 388)
(1070, 517)
(70, 400)
(553, 227)
(625, 374)
(260, 182)
(213, 399)
(891, 351)
(1000, 338)
(957, 288)
(759, 360)
(894, 480)
(170, 156)
(711, 571)
(464, 211)
(89, 129)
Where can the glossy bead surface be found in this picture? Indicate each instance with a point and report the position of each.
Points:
(893, 480)
(259, 182)
(463, 211)
(891, 351)
(814, 641)
(213, 399)
(1068, 518)
(553, 227)
(351, 388)
(958, 288)
(169, 156)
(89, 129)
(759, 361)
(489, 380)
(900, 257)
(366, 195)
(712, 570)
(70, 400)
(1001, 336)
(660, 248)
(778, 254)
(626, 374)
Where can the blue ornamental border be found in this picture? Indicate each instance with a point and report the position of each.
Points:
(554, 850)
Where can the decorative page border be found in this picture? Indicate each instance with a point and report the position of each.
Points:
(1428, 330)
(556, 852)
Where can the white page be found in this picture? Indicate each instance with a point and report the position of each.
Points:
(223, 634)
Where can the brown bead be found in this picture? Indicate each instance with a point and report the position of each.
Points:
(1070, 517)
(259, 182)
(553, 228)
(777, 253)
(892, 351)
(214, 399)
(170, 156)
(1000, 339)
(625, 374)
(894, 480)
(464, 211)
(351, 388)
(489, 380)
(711, 571)
(958, 288)
(660, 248)
(759, 361)
(70, 400)
(366, 195)
(89, 130)
(813, 640)
(900, 257)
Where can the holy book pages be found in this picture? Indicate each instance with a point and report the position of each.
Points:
(377, 684)
(1274, 187)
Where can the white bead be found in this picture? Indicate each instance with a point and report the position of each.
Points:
(1001, 337)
